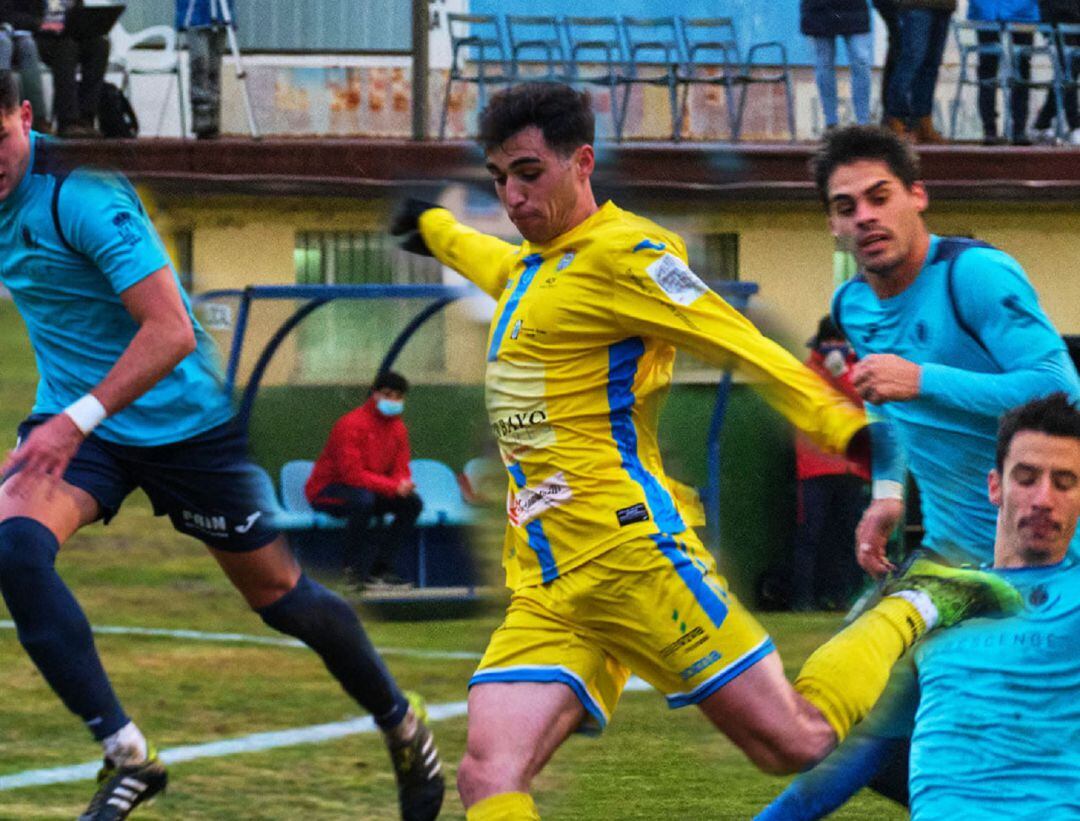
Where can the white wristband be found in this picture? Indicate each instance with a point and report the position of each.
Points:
(87, 413)
(886, 489)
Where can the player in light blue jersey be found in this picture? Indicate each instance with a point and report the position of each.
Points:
(950, 335)
(130, 396)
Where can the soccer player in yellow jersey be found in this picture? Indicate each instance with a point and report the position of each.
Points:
(606, 577)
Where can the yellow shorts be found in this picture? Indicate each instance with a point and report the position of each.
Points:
(655, 606)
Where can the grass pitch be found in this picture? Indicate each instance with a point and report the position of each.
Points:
(651, 763)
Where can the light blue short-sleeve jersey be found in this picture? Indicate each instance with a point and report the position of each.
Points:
(67, 286)
(973, 322)
(997, 732)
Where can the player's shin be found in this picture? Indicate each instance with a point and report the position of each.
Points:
(52, 628)
(845, 676)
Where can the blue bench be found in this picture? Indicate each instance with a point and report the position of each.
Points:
(436, 484)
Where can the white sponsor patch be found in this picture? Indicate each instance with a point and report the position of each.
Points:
(529, 502)
(676, 279)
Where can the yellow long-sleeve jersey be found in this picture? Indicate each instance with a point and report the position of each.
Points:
(579, 359)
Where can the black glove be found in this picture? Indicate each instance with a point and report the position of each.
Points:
(405, 223)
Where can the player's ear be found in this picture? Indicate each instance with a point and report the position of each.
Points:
(993, 487)
(585, 160)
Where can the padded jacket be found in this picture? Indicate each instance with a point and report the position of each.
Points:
(831, 18)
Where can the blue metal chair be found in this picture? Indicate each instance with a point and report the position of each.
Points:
(478, 55)
(537, 53)
(1068, 40)
(975, 38)
(297, 512)
(596, 56)
(651, 44)
(712, 59)
(437, 485)
(1036, 44)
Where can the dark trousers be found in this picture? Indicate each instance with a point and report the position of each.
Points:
(373, 546)
(824, 570)
(1018, 95)
(923, 33)
(75, 101)
(1046, 115)
(890, 16)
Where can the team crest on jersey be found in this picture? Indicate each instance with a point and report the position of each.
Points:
(567, 258)
(516, 330)
(125, 228)
(922, 333)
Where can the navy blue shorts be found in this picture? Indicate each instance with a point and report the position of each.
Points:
(206, 485)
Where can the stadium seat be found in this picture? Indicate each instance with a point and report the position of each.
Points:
(437, 486)
(129, 56)
(477, 55)
(719, 34)
(486, 479)
(1046, 73)
(711, 59)
(298, 513)
(651, 44)
(966, 34)
(537, 54)
(596, 56)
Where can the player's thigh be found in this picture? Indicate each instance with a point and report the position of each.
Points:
(673, 621)
(763, 715)
(517, 727)
(542, 641)
(59, 506)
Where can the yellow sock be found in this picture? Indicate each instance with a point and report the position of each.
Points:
(846, 676)
(506, 806)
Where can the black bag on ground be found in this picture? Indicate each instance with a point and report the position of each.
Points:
(116, 117)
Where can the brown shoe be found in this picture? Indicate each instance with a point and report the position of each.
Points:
(926, 133)
(898, 127)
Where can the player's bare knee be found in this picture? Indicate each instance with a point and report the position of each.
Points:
(482, 775)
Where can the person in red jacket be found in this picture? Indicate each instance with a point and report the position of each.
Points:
(363, 473)
(832, 494)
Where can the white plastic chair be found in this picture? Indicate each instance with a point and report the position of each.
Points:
(129, 55)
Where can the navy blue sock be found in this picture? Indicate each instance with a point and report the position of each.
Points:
(326, 624)
(52, 628)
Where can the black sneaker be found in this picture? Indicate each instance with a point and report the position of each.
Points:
(122, 789)
(417, 767)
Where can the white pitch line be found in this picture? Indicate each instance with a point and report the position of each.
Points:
(255, 742)
(246, 638)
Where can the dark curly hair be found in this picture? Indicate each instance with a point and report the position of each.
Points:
(863, 142)
(563, 115)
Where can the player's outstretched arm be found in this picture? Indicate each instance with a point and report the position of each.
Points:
(165, 337)
(426, 228)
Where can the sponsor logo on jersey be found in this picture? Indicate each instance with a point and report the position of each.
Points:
(567, 258)
(532, 501)
(676, 279)
(205, 523)
(687, 641)
(699, 665)
(517, 407)
(634, 513)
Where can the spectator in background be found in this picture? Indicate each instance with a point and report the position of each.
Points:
(1061, 11)
(889, 11)
(1003, 11)
(205, 29)
(363, 473)
(832, 494)
(909, 100)
(18, 51)
(824, 21)
(78, 66)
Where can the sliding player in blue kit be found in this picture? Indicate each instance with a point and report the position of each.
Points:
(130, 396)
(950, 335)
